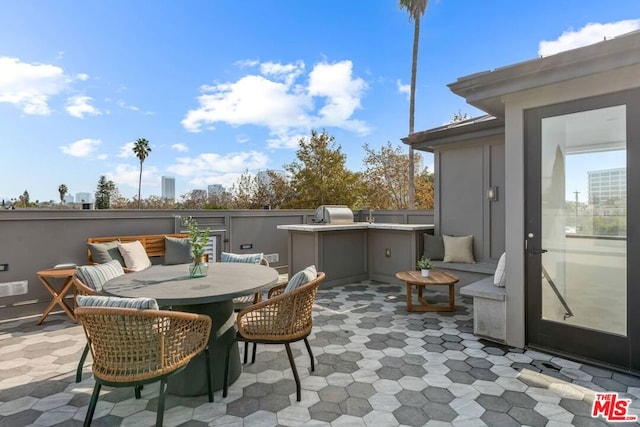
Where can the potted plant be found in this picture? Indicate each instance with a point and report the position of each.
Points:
(424, 264)
(198, 239)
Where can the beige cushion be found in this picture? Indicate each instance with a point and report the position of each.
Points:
(458, 249)
(134, 255)
(499, 276)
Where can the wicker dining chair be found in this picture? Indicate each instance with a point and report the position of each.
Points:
(245, 301)
(132, 347)
(283, 318)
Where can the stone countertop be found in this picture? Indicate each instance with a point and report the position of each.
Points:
(355, 226)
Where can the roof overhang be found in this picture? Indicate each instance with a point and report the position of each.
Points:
(485, 90)
(462, 131)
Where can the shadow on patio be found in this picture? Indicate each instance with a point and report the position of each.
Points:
(377, 365)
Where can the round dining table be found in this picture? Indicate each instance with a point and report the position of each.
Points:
(212, 295)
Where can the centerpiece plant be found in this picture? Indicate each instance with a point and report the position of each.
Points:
(424, 264)
(198, 240)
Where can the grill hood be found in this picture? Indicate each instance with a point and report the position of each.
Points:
(333, 214)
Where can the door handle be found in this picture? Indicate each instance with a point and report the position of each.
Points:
(538, 251)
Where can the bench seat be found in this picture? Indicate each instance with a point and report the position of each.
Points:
(153, 243)
(489, 309)
(485, 267)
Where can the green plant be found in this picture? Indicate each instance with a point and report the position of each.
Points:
(198, 238)
(424, 263)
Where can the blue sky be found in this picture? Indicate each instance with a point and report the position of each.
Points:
(219, 87)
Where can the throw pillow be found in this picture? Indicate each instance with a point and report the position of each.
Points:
(105, 252)
(141, 303)
(247, 258)
(500, 276)
(433, 247)
(135, 256)
(301, 278)
(177, 250)
(94, 276)
(458, 249)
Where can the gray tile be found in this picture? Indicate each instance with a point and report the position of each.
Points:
(493, 403)
(499, 419)
(527, 417)
(411, 398)
(439, 411)
(519, 399)
(355, 407)
(409, 416)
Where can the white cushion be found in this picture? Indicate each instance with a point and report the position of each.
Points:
(458, 249)
(301, 278)
(135, 257)
(499, 276)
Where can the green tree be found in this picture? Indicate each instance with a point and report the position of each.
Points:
(415, 9)
(141, 149)
(105, 190)
(62, 190)
(424, 190)
(249, 192)
(386, 177)
(319, 175)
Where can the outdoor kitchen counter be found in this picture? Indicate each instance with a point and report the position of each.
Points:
(356, 251)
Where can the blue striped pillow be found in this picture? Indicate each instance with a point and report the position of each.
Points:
(301, 278)
(102, 301)
(246, 258)
(94, 276)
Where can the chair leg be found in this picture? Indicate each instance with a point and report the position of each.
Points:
(313, 365)
(295, 371)
(83, 358)
(163, 393)
(137, 391)
(92, 404)
(253, 355)
(226, 367)
(207, 356)
(246, 352)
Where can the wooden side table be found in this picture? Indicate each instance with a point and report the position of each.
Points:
(58, 294)
(435, 278)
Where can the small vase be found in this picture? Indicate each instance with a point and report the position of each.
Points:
(198, 268)
(425, 272)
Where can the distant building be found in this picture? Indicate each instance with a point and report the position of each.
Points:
(168, 188)
(68, 198)
(84, 198)
(215, 190)
(607, 186)
(264, 176)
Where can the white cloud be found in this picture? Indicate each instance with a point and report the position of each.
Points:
(81, 148)
(29, 86)
(127, 150)
(277, 100)
(591, 33)
(82, 76)
(286, 140)
(78, 106)
(247, 63)
(127, 175)
(242, 138)
(207, 164)
(406, 89)
(182, 148)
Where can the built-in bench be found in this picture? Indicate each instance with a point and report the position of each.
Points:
(489, 300)
(489, 308)
(153, 244)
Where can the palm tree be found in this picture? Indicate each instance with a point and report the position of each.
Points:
(415, 8)
(141, 149)
(63, 190)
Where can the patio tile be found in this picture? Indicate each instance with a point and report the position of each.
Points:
(376, 365)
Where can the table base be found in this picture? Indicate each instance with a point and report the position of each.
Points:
(424, 305)
(192, 381)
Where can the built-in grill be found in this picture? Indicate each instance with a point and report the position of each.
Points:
(333, 214)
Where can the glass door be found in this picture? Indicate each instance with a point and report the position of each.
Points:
(577, 251)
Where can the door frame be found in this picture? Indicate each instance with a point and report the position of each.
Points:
(583, 344)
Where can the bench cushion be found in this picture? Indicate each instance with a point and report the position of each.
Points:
(177, 250)
(484, 267)
(484, 289)
(458, 249)
(135, 256)
(105, 252)
(433, 247)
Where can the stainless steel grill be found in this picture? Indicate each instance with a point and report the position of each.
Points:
(333, 214)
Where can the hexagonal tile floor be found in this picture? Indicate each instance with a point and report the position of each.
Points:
(376, 365)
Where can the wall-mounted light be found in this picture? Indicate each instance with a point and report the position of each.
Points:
(492, 194)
